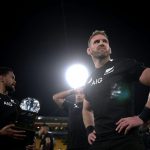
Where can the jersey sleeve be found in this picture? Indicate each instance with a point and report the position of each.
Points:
(135, 69)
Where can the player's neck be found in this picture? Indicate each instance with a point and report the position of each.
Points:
(101, 62)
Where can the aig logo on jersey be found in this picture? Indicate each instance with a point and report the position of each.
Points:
(8, 103)
(96, 81)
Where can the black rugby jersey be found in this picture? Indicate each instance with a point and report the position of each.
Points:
(110, 90)
(77, 137)
(9, 109)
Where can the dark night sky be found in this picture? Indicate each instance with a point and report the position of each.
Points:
(40, 39)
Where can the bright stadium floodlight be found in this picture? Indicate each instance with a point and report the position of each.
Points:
(76, 75)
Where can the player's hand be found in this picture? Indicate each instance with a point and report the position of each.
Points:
(92, 137)
(9, 130)
(30, 147)
(127, 123)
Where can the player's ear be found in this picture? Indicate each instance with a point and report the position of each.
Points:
(88, 51)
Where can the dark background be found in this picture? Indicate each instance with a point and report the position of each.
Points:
(40, 39)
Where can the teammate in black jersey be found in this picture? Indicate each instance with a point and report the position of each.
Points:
(108, 108)
(77, 137)
(10, 138)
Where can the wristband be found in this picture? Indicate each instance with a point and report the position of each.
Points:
(90, 129)
(145, 114)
